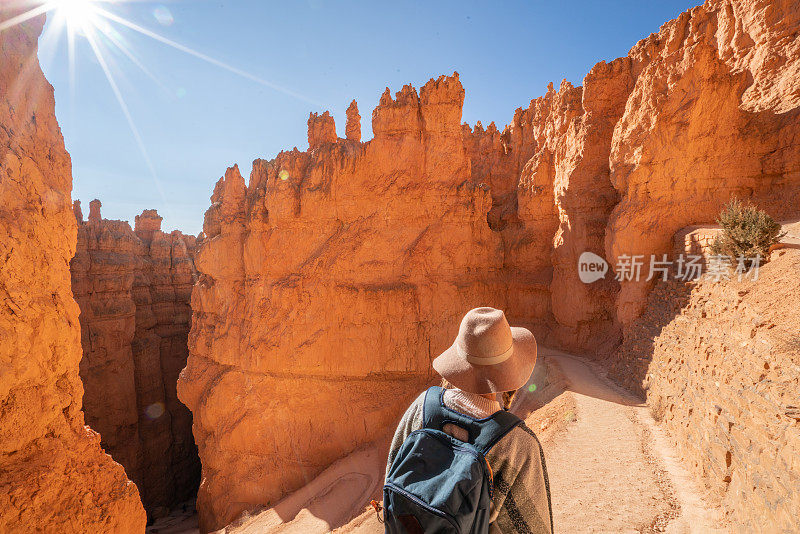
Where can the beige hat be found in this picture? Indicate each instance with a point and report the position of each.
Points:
(488, 356)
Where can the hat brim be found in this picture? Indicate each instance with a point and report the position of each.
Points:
(509, 375)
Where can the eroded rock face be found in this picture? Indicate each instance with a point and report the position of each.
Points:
(133, 290)
(54, 477)
(353, 126)
(548, 175)
(355, 261)
(326, 286)
(719, 363)
(321, 130)
(713, 114)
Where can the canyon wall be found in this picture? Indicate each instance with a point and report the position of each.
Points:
(326, 286)
(133, 289)
(54, 477)
(720, 365)
(713, 114)
(330, 280)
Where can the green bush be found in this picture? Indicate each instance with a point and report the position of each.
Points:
(746, 231)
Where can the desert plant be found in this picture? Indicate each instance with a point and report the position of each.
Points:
(746, 232)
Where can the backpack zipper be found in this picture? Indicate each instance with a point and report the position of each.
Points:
(422, 504)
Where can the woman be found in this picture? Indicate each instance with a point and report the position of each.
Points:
(487, 359)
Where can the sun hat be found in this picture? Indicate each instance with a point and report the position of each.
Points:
(488, 356)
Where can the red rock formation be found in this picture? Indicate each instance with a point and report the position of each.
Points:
(76, 210)
(133, 289)
(713, 113)
(54, 477)
(353, 127)
(682, 96)
(356, 260)
(102, 274)
(326, 285)
(94, 210)
(321, 130)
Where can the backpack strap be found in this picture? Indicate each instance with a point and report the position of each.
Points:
(483, 433)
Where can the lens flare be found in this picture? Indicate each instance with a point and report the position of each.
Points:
(163, 16)
(154, 411)
(103, 29)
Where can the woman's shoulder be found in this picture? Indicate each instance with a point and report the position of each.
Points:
(518, 445)
(415, 409)
(523, 432)
(418, 403)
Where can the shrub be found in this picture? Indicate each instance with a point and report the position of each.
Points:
(746, 231)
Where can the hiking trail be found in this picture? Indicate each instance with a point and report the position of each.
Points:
(611, 467)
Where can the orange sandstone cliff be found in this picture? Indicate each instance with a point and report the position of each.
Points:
(133, 289)
(54, 477)
(325, 286)
(713, 114)
(329, 280)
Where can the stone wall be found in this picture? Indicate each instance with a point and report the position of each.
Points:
(54, 477)
(719, 364)
(695, 241)
(133, 289)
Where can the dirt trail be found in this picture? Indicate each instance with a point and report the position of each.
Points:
(611, 468)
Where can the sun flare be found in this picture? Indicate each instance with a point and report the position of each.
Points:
(109, 37)
(76, 13)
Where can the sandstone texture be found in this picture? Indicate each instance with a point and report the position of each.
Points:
(719, 362)
(713, 114)
(696, 241)
(54, 476)
(325, 286)
(353, 126)
(133, 289)
(331, 279)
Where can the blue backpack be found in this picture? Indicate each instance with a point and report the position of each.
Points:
(438, 483)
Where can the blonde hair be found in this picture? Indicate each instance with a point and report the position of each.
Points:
(507, 396)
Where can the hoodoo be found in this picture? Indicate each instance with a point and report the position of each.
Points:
(339, 272)
(54, 477)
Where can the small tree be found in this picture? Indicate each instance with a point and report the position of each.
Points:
(746, 232)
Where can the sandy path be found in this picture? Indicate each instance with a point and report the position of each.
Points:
(611, 468)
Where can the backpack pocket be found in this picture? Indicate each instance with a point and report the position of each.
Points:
(408, 514)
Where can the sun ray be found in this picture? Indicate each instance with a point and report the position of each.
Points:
(85, 18)
(71, 61)
(22, 17)
(200, 55)
(48, 43)
(20, 87)
(126, 111)
(114, 38)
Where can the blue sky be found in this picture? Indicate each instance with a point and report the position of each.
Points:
(199, 119)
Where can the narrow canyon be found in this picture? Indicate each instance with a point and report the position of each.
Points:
(133, 288)
(142, 368)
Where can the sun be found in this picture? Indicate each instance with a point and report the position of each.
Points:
(97, 23)
(76, 13)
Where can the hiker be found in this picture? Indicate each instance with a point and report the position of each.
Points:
(461, 462)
